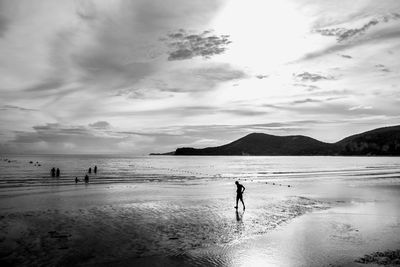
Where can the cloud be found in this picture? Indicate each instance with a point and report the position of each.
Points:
(11, 107)
(393, 33)
(86, 10)
(309, 87)
(312, 77)
(220, 72)
(360, 107)
(382, 67)
(351, 37)
(325, 107)
(200, 110)
(261, 76)
(6, 14)
(3, 25)
(204, 78)
(58, 138)
(51, 84)
(346, 56)
(307, 100)
(100, 125)
(184, 45)
(343, 34)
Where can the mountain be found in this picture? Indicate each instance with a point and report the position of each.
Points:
(382, 141)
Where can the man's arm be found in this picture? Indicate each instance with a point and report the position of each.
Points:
(243, 189)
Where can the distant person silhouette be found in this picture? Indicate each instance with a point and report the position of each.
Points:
(53, 172)
(239, 194)
(90, 170)
(58, 172)
(76, 180)
(86, 178)
(95, 169)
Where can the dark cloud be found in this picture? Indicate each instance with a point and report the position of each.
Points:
(393, 33)
(346, 56)
(86, 10)
(6, 15)
(100, 125)
(193, 111)
(343, 34)
(218, 73)
(307, 100)
(309, 87)
(197, 110)
(335, 93)
(186, 45)
(57, 138)
(327, 108)
(123, 45)
(200, 79)
(311, 77)
(185, 80)
(261, 76)
(3, 25)
(45, 85)
(11, 107)
(245, 112)
(382, 67)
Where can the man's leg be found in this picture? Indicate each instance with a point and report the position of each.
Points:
(241, 199)
(237, 201)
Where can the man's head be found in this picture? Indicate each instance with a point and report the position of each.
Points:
(237, 182)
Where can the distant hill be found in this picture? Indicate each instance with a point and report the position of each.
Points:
(382, 141)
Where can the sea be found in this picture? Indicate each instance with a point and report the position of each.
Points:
(34, 170)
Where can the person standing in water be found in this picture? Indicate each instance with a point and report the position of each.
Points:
(58, 172)
(90, 170)
(239, 194)
(95, 169)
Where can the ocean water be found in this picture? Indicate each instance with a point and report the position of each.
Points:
(17, 171)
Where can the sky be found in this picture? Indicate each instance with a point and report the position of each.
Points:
(141, 76)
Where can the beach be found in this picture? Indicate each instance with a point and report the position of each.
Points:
(179, 211)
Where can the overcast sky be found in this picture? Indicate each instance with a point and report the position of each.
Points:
(146, 76)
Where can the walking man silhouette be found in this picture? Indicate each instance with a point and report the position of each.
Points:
(239, 194)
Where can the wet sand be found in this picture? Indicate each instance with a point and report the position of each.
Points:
(193, 223)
